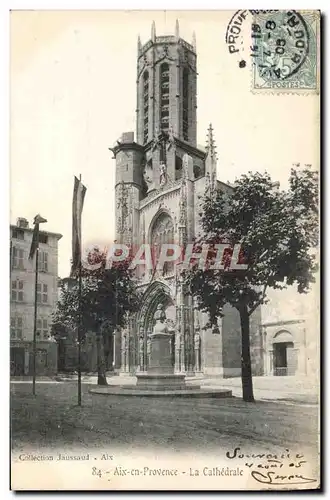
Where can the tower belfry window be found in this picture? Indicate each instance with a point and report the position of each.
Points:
(164, 96)
(145, 106)
(185, 104)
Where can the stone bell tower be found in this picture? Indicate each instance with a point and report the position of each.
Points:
(166, 88)
(166, 106)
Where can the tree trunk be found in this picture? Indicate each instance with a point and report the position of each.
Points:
(108, 352)
(247, 386)
(101, 368)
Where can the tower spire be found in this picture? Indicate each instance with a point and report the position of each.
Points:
(153, 31)
(194, 41)
(210, 143)
(139, 45)
(177, 29)
(211, 159)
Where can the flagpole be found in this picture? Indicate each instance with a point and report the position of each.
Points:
(35, 320)
(79, 337)
(34, 249)
(77, 205)
(79, 326)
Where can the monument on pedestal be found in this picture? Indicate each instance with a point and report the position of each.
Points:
(160, 373)
(162, 357)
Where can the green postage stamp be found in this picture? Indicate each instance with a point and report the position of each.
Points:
(285, 51)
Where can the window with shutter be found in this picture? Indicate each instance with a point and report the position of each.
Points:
(17, 287)
(16, 327)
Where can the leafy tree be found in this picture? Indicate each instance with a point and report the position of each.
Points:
(278, 233)
(108, 296)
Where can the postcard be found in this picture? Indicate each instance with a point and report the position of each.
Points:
(164, 250)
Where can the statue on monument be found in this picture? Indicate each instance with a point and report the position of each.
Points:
(162, 174)
(148, 176)
(160, 327)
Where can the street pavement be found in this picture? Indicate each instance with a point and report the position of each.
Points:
(303, 390)
(53, 419)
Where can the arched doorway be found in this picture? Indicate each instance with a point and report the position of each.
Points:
(157, 293)
(284, 354)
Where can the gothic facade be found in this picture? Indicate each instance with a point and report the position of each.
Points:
(161, 177)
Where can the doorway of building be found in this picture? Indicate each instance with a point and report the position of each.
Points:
(17, 355)
(283, 364)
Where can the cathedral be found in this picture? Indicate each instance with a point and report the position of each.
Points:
(161, 177)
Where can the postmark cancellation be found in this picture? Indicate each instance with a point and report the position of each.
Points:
(285, 51)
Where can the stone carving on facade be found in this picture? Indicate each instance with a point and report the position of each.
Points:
(162, 174)
(144, 64)
(170, 138)
(141, 349)
(182, 209)
(143, 228)
(171, 330)
(187, 167)
(188, 349)
(197, 346)
(165, 54)
(124, 351)
(153, 194)
(164, 51)
(178, 360)
(148, 176)
(148, 347)
(123, 208)
(183, 349)
(157, 140)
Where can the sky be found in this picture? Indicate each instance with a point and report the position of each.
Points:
(72, 94)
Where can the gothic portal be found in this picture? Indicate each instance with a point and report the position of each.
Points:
(161, 177)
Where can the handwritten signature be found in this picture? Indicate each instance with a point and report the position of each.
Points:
(274, 478)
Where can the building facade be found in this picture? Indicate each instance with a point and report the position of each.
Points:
(161, 177)
(22, 299)
(290, 333)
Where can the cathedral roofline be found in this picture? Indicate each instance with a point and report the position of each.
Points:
(190, 149)
(166, 39)
(121, 146)
(184, 145)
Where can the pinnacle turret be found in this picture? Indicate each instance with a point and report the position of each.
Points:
(177, 29)
(194, 41)
(210, 143)
(153, 31)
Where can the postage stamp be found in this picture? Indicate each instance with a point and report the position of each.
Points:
(285, 51)
(164, 328)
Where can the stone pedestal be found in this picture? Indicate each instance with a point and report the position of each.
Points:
(160, 375)
(160, 361)
(160, 382)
